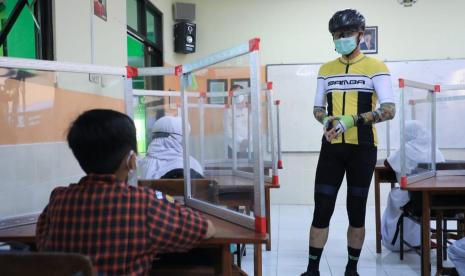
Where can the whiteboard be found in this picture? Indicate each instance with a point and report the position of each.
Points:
(295, 86)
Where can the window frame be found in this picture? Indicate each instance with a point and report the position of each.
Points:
(153, 51)
(43, 12)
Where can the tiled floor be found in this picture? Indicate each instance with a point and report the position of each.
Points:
(288, 255)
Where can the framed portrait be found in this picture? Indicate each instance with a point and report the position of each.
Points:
(100, 9)
(369, 43)
(217, 85)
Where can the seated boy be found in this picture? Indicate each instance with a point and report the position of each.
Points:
(120, 227)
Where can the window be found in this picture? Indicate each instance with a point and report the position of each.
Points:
(145, 49)
(132, 14)
(150, 26)
(219, 85)
(145, 29)
(26, 29)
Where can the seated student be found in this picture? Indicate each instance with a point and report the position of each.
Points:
(120, 227)
(456, 254)
(417, 150)
(164, 159)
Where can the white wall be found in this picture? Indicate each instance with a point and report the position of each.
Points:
(296, 31)
(72, 33)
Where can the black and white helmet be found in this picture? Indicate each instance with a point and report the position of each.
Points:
(347, 20)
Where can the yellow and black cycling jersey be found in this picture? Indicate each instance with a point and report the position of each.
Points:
(351, 88)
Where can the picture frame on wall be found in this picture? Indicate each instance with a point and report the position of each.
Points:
(100, 9)
(369, 43)
(217, 85)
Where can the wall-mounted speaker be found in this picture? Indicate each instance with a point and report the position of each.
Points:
(183, 12)
(184, 37)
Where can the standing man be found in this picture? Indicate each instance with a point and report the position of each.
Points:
(345, 103)
(242, 123)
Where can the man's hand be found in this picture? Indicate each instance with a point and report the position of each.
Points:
(329, 131)
(344, 122)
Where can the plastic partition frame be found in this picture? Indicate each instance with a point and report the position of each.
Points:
(259, 181)
(250, 48)
(403, 83)
(278, 134)
(202, 106)
(272, 133)
(73, 67)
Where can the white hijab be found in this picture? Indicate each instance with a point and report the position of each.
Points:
(165, 154)
(417, 148)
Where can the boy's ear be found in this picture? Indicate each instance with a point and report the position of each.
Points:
(132, 161)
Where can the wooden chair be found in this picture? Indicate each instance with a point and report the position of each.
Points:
(441, 214)
(47, 264)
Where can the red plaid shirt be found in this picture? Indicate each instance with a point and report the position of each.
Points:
(120, 227)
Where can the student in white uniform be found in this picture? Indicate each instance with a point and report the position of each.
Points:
(417, 150)
(456, 254)
(164, 157)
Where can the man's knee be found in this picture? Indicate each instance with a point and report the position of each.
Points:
(325, 199)
(356, 206)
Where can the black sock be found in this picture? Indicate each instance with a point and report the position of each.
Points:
(354, 255)
(314, 257)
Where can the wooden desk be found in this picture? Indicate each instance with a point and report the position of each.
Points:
(446, 185)
(221, 184)
(228, 180)
(226, 233)
(383, 174)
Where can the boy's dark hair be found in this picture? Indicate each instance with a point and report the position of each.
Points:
(100, 139)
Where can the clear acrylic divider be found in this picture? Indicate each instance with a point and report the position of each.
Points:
(228, 132)
(450, 104)
(224, 131)
(36, 109)
(417, 133)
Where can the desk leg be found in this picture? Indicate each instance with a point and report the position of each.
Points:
(439, 239)
(268, 217)
(377, 214)
(257, 263)
(425, 236)
(226, 260)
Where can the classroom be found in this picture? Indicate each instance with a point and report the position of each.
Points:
(232, 137)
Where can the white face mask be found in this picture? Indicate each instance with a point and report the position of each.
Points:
(132, 174)
(240, 99)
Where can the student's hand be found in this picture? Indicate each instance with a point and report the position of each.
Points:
(211, 230)
(329, 131)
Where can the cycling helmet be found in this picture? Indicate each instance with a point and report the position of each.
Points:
(347, 20)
